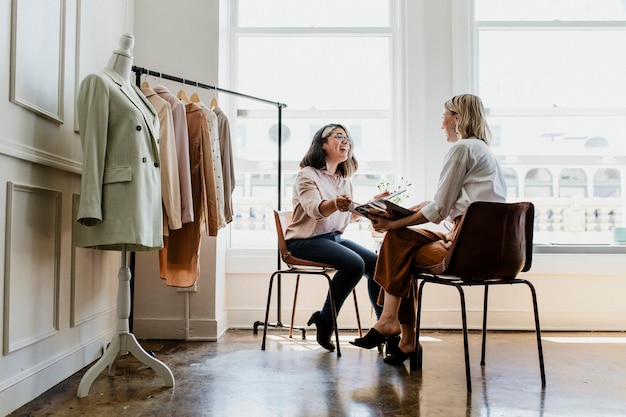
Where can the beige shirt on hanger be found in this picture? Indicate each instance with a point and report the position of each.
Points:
(182, 151)
(170, 179)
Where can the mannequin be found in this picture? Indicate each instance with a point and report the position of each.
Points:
(120, 206)
(120, 202)
(121, 60)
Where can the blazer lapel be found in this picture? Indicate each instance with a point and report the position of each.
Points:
(132, 97)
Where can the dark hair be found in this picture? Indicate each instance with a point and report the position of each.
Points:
(316, 157)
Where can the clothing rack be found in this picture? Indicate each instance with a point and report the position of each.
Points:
(139, 71)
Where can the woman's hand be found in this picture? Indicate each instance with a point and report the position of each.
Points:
(419, 206)
(381, 195)
(381, 224)
(343, 202)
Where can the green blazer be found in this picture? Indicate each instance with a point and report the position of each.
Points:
(120, 201)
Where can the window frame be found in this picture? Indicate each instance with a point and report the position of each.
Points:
(395, 165)
(465, 52)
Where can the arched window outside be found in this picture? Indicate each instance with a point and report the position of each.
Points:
(607, 183)
(538, 183)
(572, 183)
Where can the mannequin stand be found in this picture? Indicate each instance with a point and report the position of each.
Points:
(123, 342)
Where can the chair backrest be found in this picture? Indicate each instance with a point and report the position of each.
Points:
(282, 220)
(494, 240)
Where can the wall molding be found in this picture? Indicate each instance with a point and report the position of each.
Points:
(32, 260)
(31, 382)
(30, 154)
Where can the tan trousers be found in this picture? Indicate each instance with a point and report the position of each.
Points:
(400, 251)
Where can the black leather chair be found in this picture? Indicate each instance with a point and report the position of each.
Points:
(493, 245)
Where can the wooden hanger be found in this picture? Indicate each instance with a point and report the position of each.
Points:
(145, 84)
(213, 103)
(183, 97)
(195, 98)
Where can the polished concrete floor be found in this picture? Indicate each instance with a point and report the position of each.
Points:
(586, 376)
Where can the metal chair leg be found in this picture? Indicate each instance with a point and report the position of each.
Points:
(416, 358)
(465, 339)
(267, 310)
(333, 309)
(358, 317)
(293, 308)
(482, 353)
(538, 331)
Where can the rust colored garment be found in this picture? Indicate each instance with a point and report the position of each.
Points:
(400, 251)
(199, 127)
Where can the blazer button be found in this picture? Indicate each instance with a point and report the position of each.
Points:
(156, 164)
(138, 128)
(144, 160)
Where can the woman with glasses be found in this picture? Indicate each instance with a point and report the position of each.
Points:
(470, 173)
(322, 195)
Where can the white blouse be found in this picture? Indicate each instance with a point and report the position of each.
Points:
(470, 173)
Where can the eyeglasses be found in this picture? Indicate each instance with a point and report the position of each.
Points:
(341, 137)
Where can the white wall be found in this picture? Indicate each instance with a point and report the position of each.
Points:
(58, 304)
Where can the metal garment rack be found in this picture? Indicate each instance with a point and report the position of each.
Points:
(139, 71)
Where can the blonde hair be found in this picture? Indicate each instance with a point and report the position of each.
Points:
(472, 117)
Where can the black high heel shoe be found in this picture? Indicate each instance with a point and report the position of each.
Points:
(372, 339)
(324, 331)
(398, 358)
(391, 345)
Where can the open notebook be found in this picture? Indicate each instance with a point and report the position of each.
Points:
(382, 207)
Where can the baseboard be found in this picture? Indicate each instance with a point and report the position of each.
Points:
(32, 382)
(208, 330)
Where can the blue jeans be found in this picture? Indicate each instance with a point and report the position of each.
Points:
(351, 260)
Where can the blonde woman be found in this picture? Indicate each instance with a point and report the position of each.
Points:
(470, 173)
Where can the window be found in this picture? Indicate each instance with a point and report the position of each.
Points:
(606, 183)
(548, 72)
(572, 183)
(329, 61)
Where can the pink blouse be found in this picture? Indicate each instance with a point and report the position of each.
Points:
(312, 187)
